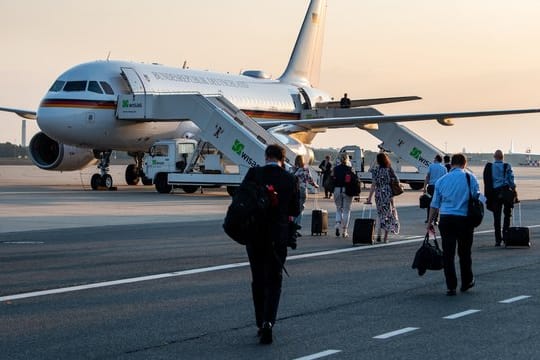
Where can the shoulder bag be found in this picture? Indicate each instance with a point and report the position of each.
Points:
(475, 211)
(394, 184)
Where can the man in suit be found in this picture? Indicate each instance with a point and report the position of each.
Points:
(499, 188)
(267, 249)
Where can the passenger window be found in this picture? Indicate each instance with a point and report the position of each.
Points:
(107, 88)
(75, 86)
(57, 86)
(93, 86)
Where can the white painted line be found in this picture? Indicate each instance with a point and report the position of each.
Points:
(514, 299)
(395, 333)
(461, 314)
(22, 242)
(184, 273)
(319, 355)
(121, 282)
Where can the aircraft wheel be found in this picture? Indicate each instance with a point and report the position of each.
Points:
(107, 181)
(162, 185)
(190, 189)
(132, 175)
(95, 181)
(231, 190)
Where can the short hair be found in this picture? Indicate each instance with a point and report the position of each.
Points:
(498, 155)
(383, 160)
(446, 158)
(275, 151)
(459, 160)
(438, 158)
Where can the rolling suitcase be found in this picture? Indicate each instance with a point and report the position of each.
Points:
(363, 229)
(517, 235)
(319, 220)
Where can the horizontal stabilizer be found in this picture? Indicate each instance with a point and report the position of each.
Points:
(368, 102)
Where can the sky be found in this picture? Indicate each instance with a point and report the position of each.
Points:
(458, 55)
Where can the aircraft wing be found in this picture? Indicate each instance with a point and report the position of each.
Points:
(367, 102)
(27, 114)
(370, 120)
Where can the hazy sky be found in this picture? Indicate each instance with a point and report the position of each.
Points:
(458, 55)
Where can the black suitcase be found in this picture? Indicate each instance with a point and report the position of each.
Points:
(517, 235)
(364, 229)
(319, 222)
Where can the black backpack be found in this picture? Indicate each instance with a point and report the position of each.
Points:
(248, 212)
(352, 184)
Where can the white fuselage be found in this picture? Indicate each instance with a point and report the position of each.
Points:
(79, 109)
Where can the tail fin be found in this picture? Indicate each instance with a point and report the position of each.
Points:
(305, 63)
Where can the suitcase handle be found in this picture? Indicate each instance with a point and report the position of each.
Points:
(364, 209)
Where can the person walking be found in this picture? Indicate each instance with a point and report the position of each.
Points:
(267, 249)
(450, 201)
(341, 199)
(387, 216)
(302, 174)
(326, 171)
(500, 190)
(436, 170)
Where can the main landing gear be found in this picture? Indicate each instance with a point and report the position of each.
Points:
(134, 172)
(103, 179)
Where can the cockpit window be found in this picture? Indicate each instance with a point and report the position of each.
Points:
(93, 86)
(75, 86)
(57, 86)
(108, 89)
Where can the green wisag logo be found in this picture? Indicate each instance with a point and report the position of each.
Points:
(238, 147)
(125, 103)
(415, 153)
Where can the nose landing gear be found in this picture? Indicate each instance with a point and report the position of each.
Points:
(103, 179)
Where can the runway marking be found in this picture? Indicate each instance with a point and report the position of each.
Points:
(120, 282)
(318, 355)
(514, 299)
(23, 242)
(461, 314)
(395, 333)
(202, 270)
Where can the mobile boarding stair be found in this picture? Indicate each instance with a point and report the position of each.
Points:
(237, 136)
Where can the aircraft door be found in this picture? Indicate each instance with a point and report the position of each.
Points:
(134, 81)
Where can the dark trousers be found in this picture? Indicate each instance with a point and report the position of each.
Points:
(498, 205)
(456, 230)
(266, 264)
(430, 190)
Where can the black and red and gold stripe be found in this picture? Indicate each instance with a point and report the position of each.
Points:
(79, 104)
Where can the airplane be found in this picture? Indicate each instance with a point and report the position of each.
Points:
(79, 126)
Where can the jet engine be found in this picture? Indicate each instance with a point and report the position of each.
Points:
(48, 154)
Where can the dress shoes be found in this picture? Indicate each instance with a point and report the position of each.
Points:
(266, 334)
(467, 287)
(451, 292)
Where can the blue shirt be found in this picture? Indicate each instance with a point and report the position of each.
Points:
(451, 195)
(435, 172)
(499, 177)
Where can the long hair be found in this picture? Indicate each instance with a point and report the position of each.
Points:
(299, 161)
(383, 160)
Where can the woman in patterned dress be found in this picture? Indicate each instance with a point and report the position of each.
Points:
(382, 175)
